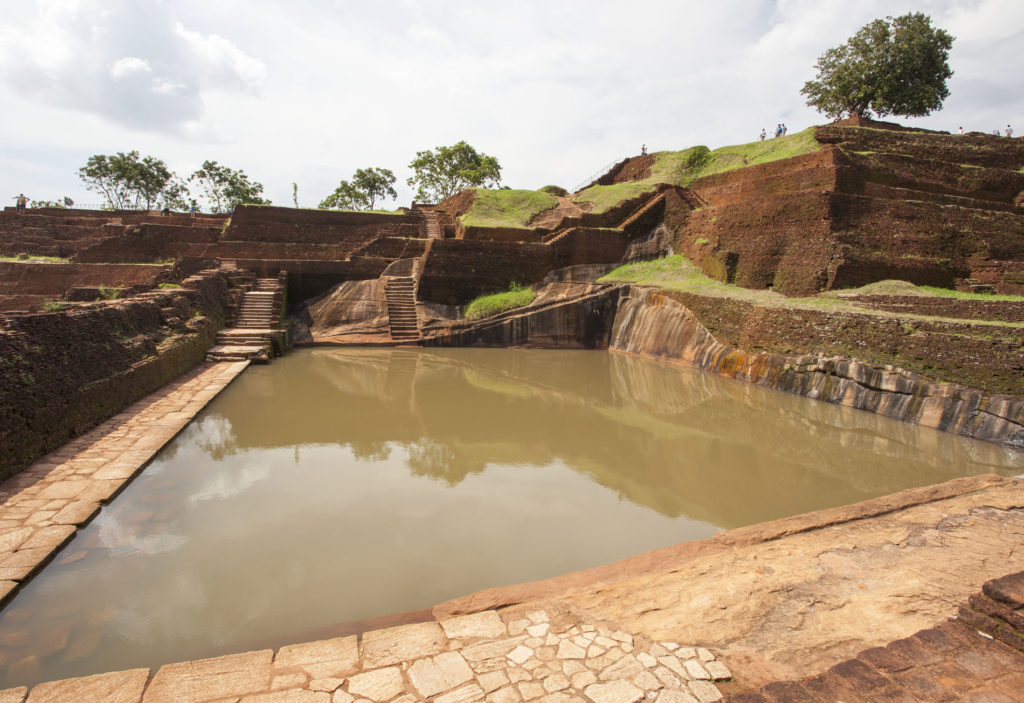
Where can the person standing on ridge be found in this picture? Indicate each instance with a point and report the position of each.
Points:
(643, 150)
(961, 131)
(192, 207)
(763, 134)
(20, 203)
(1009, 131)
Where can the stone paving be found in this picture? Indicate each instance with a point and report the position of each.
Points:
(466, 659)
(42, 507)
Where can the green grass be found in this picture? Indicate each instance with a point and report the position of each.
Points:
(487, 305)
(507, 208)
(33, 259)
(169, 285)
(678, 273)
(891, 287)
(684, 167)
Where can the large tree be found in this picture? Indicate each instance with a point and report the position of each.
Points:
(895, 66)
(225, 188)
(127, 182)
(444, 171)
(361, 193)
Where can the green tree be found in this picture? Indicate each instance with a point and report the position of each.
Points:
(345, 197)
(446, 170)
(125, 181)
(895, 66)
(225, 188)
(361, 193)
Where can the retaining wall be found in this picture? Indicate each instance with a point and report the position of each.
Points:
(62, 373)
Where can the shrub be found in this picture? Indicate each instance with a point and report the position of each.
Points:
(554, 190)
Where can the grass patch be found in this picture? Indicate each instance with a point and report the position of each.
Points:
(165, 286)
(678, 273)
(684, 167)
(891, 287)
(507, 208)
(486, 305)
(33, 259)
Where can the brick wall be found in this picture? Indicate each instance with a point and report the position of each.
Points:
(458, 270)
(63, 373)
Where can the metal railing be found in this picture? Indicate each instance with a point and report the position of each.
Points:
(597, 174)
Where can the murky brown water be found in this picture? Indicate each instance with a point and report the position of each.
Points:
(337, 485)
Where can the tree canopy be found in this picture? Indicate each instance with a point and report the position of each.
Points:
(895, 66)
(225, 188)
(444, 171)
(362, 192)
(127, 182)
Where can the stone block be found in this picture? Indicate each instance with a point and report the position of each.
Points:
(508, 694)
(13, 695)
(439, 674)
(492, 681)
(704, 691)
(404, 643)
(485, 624)
(570, 650)
(491, 650)
(333, 658)
(615, 692)
(116, 687)
(625, 668)
(207, 679)
(695, 671)
(466, 694)
(294, 695)
(378, 685)
(668, 696)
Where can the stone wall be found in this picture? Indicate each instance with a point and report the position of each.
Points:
(299, 226)
(873, 204)
(457, 270)
(62, 373)
(997, 310)
(500, 234)
(40, 281)
(150, 243)
(998, 610)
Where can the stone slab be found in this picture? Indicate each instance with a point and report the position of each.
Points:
(378, 685)
(406, 642)
(333, 658)
(485, 624)
(116, 687)
(208, 679)
(439, 674)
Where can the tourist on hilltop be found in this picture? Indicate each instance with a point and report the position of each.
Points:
(763, 134)
(778, 130)
(784, 129)
(643, 150)
(1009, 131)
(193, 208)
(20, 203)
(961, 131)
(166, 211)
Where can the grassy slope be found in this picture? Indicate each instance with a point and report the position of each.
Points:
(487, 305)
(678, 273)
(507, 208)
(674, 166)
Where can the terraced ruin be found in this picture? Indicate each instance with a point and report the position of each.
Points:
(860, 263)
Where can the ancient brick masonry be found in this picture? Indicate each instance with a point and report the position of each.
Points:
(872, 204)
(61, 373)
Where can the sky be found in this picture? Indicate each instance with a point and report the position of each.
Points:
(308, 91)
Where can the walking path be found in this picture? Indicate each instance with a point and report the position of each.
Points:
(42, 507)
(478, 657)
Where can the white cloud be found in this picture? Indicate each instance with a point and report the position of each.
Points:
(310, 91)
(129, 66)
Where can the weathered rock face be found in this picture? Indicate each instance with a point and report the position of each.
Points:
(564, 315)
(347, 312)
(650, 324)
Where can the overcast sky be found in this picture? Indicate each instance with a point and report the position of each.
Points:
(307, 91)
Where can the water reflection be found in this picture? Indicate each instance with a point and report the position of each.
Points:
(337, 485)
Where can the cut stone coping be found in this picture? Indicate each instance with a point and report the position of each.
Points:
(42, 507)
(484, 657)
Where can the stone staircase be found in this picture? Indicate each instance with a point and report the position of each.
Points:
(255, 334)
(432, 225)
(399, 291)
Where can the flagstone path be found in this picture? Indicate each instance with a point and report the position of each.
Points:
(466, 659)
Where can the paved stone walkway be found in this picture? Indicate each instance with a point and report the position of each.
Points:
(466, 659)
(43, 506)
